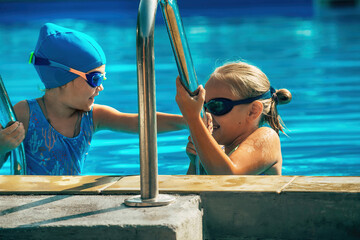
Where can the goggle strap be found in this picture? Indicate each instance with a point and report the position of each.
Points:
(43, 61)
(250, 100)
(33, 59)
(83, 75)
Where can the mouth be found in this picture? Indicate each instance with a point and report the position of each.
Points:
(93, 97)
(215, 127)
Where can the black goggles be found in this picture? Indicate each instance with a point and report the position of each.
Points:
(221, 106)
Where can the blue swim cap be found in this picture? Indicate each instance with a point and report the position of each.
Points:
(68, 47)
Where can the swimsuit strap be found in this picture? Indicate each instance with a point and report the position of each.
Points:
(234, 150)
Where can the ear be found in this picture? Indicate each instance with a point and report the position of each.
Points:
(255, 110)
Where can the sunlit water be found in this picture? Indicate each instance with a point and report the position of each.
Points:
(316, 57)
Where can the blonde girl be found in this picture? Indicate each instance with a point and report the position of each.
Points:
(239, 100)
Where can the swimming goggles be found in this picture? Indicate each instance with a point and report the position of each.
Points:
(221, 106)
(94, 79)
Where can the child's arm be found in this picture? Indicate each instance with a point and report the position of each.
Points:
(108, 118)
(253, 156)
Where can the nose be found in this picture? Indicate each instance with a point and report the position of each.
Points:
(100, 88)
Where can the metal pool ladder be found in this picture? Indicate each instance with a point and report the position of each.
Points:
(7, 114)
(146, 91)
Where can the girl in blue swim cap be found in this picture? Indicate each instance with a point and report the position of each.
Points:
(238, 100)
(58, 127)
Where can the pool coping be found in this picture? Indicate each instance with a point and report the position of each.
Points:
(211, 207)
(177, 184)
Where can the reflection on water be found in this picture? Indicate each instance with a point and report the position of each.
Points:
(317, 58)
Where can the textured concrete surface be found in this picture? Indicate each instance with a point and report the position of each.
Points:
(97, 217)
(234, 207)
(289, 215)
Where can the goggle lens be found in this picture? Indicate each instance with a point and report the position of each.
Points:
(95, 79)
(218, 107)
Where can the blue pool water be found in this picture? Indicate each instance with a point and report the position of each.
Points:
(315, 54)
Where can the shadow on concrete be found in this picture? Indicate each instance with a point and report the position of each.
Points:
(62, 194)
(33, 204)
(80, 215)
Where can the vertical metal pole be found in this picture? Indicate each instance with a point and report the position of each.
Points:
(147, 109)
(147, 99)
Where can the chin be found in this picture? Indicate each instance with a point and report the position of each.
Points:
(88, 108)
(217, 138)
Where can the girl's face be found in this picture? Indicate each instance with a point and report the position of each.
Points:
(80, 95)
(232, 126)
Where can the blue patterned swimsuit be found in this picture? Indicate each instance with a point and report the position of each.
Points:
(50, 153)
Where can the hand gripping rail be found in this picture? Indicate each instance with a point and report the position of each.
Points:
(146, 91)
(17, 156)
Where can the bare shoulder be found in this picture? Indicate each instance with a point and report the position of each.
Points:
(262, 140)
(267, 141)
(266, 133)
(22, 113)
(258, 153)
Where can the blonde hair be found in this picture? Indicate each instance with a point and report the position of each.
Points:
(247, 81)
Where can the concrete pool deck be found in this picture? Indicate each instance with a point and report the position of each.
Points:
(206, 207)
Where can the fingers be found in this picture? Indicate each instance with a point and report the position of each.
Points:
(201, 94)
(190, 148)
(11, 127)
(181, 89)
(12, 136)
(209, 120)
(19, 134)
(10, 123)
(191, 153)
(190, 106)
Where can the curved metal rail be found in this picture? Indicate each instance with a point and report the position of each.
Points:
(7, 114)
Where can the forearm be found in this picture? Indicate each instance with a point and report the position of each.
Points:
(169, 122)
(214, 160)
(108, 118)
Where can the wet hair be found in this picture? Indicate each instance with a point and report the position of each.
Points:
(247, 81)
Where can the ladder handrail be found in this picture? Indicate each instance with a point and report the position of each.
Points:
(17, 156)
(146, 90)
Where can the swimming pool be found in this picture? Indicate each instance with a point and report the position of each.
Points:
(315, 55)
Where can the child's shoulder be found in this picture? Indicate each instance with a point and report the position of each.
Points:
(22, 111)
(21, 107)
(265, 136)
(266, 132)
